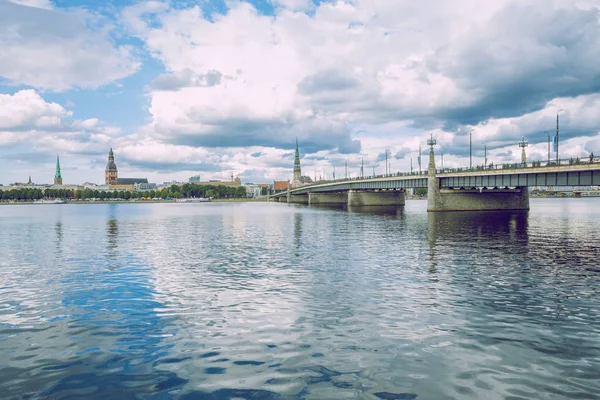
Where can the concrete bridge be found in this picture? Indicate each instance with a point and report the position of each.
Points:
(471, 190)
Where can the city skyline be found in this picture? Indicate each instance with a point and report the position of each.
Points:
(348, 79)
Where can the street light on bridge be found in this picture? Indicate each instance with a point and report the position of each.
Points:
(431, 142)
(549, 137)
(523, 143)
(484, 155)
(557, 159)
(470, 149)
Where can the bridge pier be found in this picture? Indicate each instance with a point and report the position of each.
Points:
(297, 198)
(315, 198)
(361, 198)
(478, 200)
(462, 199)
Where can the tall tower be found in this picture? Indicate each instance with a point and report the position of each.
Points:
(297, 181)
(57, 175)
(111, 176)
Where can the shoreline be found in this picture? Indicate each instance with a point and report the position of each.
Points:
(248, 200)
(17, 203)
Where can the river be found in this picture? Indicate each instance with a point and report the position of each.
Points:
(277, 301)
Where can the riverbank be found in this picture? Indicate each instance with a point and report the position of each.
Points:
(239, 200)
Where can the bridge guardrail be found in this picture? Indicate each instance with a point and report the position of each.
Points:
(490, 167)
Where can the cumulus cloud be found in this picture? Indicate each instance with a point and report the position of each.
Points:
(26, 116)
(26, 110)
(349, 79)
(360, 62)
(58, 49)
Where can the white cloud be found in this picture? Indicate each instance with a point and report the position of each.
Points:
(27, 110)
(362, 62)
(348, 78)
(59, 49)
(44, 4)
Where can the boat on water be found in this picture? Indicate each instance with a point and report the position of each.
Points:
(194, 200)
(49, 201)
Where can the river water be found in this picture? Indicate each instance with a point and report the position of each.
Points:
(277, 301)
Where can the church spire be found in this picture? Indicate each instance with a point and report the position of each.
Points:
(57, 174)
(297, 180)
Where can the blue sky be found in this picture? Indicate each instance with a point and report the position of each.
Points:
(215, 87)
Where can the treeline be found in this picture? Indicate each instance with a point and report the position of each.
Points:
(35, 194)
(188, 190)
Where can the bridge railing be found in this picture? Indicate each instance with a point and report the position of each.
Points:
(517, 166)
(476, 168)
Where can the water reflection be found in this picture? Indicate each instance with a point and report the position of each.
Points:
(478, 226)
(58, 230)
(397, 211)
(271, 301)
(298, 232)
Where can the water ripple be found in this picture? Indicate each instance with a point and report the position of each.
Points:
(270, 301)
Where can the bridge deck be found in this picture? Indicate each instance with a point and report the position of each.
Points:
(561, 175)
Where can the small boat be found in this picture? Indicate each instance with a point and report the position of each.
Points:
(194, 200)
(49, 201)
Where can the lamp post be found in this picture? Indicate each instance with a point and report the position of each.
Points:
(548, 146)
(470, 149)
(431, 142)
(362, 167)
(523, 143)
(557, 159)
(484, 155)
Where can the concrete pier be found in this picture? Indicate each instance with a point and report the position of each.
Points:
(479, 200)
(327, 198)
(298, 198)
(361, 198)
(472, 199)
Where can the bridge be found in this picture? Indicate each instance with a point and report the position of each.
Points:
(504, 187)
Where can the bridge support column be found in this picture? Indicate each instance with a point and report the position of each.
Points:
(439, 199)
(478, 200)
(298, 198)
(359, 198)
(327, 198)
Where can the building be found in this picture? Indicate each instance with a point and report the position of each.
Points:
(57, 175)
(111, 175)
(280, 186)
(143, 187)
(131, 181)
(194, 179)
(297, 180)
(253, 190)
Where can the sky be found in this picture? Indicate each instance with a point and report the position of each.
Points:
(219, 87)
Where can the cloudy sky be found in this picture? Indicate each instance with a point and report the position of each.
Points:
(215, 87)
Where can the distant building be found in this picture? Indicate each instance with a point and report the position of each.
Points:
(280, 186)
(194, 179)
(253, 190)
(297, 180)
(214, 182)
(57, 174)
(144, 186)
(131, 181)
(111, 175)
